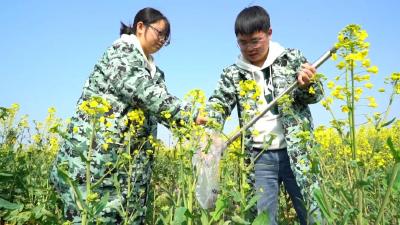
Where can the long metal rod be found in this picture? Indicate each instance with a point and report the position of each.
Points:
(291, 87)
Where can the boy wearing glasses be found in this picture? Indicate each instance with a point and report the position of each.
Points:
(273, 68)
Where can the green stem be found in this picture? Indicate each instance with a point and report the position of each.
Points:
(88, 176)
(387, 194)
(84, 218)
(190, 199)
(359, 192)
(351, 115)
(130, 165)
(242, 171)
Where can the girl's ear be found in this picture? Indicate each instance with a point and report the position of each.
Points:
(140, 28)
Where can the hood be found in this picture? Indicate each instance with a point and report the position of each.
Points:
(266, 87)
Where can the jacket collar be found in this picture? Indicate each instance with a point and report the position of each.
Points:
(149, 62)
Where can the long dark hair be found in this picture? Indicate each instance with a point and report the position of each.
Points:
(147, 16)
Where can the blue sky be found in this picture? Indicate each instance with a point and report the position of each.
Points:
(48, 48)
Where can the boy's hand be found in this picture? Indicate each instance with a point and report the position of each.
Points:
(201, 120)
(305, 75)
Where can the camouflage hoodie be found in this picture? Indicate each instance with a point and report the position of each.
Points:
(284, 72)
(128, 81)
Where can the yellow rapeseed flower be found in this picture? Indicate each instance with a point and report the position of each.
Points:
(136, 116)
(167, 115)
(311, 90)
(14, 107)
(24, 122)
(373, 69)
(372, 102)
(330, 84)
(397, 88)
(51, 110)
(345, 109)
(358, 78)
(337, 94)
(93, 104)
(68, 120)
(149, 152)
(366, 63)
(341, 65)
(358, 91)
(368, 85)
(75, 130)
(327, 102)
(395, 76)
(102, 119)
(37, 138)
(255, 132)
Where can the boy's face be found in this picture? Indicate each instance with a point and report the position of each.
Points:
(254, 47)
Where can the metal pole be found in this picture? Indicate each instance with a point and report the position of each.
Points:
(291, 87)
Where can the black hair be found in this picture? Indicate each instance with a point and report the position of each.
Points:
(147, 16)
(252, 19)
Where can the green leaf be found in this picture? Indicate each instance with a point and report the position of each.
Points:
(101, 204)
(348, 196)
(348, 214)
(220, 206)
(236, 196)
(10, 205)
(323, 205)
(6, 178)
(204, 218)
(239, 220)
(396, 184)
(179, 216)
(238, 154)
(2, 175)
(3, 113)
(395, 152)
(388, 123)
(21, 217)
(261, 219)
(252, 202)
(78, 195)
(40, 211)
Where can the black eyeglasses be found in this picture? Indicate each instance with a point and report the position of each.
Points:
(160, 34)
(250, 44)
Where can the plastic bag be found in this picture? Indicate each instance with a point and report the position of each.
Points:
(206, 161)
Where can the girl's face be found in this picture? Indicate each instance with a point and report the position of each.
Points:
(152, 37)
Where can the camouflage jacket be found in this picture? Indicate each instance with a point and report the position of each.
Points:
(227, 95)
(122, 78)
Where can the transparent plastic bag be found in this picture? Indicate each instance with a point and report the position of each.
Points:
(206, 161)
